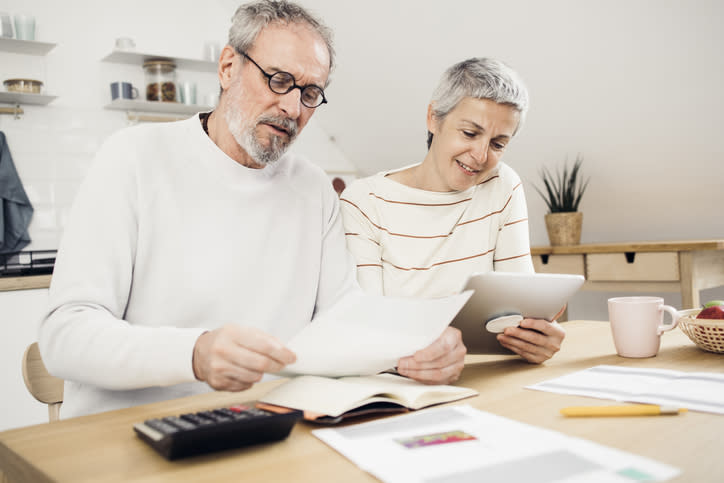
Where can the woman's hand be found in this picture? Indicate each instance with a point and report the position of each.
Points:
(535, 340)
(439, 363)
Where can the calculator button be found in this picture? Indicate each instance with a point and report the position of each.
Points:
(215, 417)
(162, 426)
(220, 416)
(179, 423)
(259, 412)
(239, 408)
(227, 412)
(196, 419)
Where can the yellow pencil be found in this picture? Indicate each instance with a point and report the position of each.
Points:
(632, 410)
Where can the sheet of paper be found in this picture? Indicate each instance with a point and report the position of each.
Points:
(697, 391)
(456, 444)
(365, 334)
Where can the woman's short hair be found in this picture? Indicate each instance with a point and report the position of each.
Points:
(480, 78)
(251, 18)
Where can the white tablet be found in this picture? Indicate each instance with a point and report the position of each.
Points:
(503, 299)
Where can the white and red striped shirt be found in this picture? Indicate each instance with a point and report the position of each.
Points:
(417, 243)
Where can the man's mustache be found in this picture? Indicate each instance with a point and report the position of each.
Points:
(287, 125)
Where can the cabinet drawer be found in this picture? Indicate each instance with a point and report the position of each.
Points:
(641, 267)
(572, 264)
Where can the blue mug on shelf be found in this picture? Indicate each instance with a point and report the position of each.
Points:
(123, 90)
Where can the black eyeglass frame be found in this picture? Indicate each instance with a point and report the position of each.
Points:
(293, 86)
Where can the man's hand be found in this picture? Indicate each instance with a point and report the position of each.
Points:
(536, 345)
(439, 363)
(233, 358)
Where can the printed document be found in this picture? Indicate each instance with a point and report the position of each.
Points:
(696, 391)
(460, 444)
(364, 334)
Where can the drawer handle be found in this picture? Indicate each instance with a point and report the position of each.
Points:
(630, 257)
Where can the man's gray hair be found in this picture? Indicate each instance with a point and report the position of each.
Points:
(251, 18)
(480, 78)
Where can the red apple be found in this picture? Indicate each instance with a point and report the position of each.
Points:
(713, 312)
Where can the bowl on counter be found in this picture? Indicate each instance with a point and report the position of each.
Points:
(25, 86)
(707, 334)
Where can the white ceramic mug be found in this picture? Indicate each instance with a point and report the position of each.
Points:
(24, 27)
(637, 324)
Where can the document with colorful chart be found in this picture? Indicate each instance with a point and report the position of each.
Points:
(455, 444)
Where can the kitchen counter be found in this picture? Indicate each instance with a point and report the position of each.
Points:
(26, 270)
(24, 283)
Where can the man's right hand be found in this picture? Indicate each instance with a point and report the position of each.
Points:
(233, 358)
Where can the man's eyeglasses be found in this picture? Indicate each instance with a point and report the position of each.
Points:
(283, 82)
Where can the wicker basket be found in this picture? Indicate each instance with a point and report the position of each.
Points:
(707, 334)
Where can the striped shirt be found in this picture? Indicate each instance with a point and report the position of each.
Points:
(417, 243)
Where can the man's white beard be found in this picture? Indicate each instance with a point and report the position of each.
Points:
(244, 131)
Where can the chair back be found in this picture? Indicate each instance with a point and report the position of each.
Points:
(44, 387)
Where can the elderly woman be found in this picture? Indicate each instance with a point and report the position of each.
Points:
(422, 229)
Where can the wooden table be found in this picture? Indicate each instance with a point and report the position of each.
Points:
(664, 266)
(103, 447)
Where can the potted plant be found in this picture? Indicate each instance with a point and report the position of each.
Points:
(563, 193)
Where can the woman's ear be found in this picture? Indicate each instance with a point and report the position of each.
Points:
(226, 64)
(431, 119)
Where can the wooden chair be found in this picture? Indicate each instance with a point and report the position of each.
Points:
(44, 387)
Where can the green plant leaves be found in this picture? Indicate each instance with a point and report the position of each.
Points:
(563, 189)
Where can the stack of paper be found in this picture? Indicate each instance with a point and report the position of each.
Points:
(697, 391)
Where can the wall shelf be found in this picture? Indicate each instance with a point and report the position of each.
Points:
(27, 47)
(138, 58)
(22, 98)
(156, 107)
(24, 47)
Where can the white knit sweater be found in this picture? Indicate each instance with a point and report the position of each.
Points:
(412, 242)
(169, 237)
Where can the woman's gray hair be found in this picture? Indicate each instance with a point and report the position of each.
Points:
(251, 18)
(480, 78)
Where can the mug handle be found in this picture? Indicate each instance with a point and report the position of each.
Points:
(674, 319)
(134, 92)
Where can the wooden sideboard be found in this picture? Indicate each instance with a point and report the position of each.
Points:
(661, 266)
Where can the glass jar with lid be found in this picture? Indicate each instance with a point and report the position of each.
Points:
(160, 80)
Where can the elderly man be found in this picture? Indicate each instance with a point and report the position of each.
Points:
(194, 249)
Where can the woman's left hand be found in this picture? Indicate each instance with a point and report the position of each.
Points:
(439, 363)
(535, 340)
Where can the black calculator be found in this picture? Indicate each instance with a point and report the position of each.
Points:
(215, 430)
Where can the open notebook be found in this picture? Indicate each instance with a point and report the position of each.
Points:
(329, 400)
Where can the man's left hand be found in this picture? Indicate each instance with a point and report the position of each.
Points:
(535, 340)
(439, 363)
